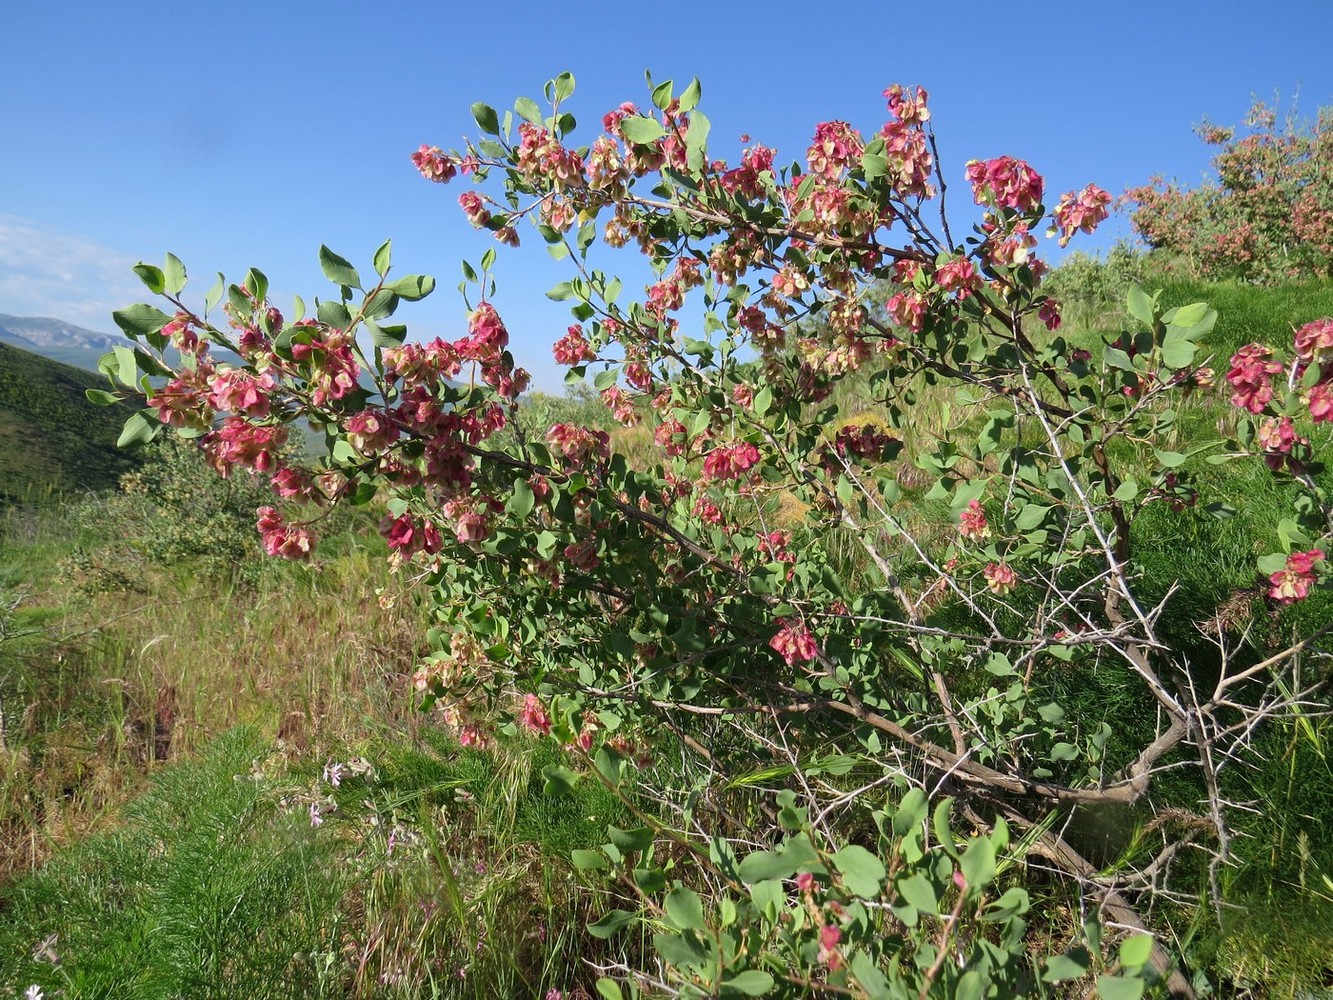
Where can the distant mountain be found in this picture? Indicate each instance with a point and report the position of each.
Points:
(52, 439)
(56, 339)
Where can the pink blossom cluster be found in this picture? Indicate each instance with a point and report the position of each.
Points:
(1278, 438)
(836, 146)
(972, 521)
(573, 348)
(239, 391)
(1293, 582)
(1080, 212)
(1251, 377)
(474, 208)
(540, 155)
(281, 538)
(745, 180)
(1000, 577)
(334, 370)
(407, 535)
(434, 164)
(731, 461)
(1011, 183)
(533, 717)
(239, 442)
(578, 446)
(794, 643)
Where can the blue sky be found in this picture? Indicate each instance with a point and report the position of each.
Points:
(247, 133)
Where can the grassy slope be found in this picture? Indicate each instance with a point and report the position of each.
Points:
(51, 438)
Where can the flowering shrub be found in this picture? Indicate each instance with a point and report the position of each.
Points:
(772, 572)
(1269, 213)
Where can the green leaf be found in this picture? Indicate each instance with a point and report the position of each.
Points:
(684, 909)
(638, 839)
(412, 287)
(1072, 965)
(1136, 950)
(679, 950)
(1140, 306)
(561, 292)
(696, 140)
(337, 269)
(612, 923)
(152, 277)
(486, 118)
(1190, 315)
(874, 982)
(127, 367)
(1031, 516)
(383, 258)
(257, 284)
(527, 110)
(862, 872)
(873, 165)
(1114, 357)
(173, 273)
(917, 891)
(689, 99)
(662, 95)
(1119, 988)
(751, 982)
(1169, 459)
(763, 399)
(559, 780)
(978, 863)
(140, 319)
(100, 397)
(521, 500)
(609, 989)
(564, 87)
(588, 861)
(1177, 352)
(386, 336)
(139, 429)
(214, 295)
(782, 863)
(641, 131)
(1126, 491)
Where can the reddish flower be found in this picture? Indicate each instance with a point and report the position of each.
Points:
(1080, 212)
(282, 539)
(533, 717)
(434, 164)
(1314, 344)
(794, 643)
(730, 461)
(1000, 578)
(1012, 183)
(972, 521)
(1293, 582)
(1320, 401)
(573, 347)
(1251, 377)
(406, 535)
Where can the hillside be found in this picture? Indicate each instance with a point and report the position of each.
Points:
(51, 437)
(56, 339)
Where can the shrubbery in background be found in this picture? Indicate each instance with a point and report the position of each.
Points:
(1268, 214)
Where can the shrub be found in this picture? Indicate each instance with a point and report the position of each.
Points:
(869, 743)
(1268, 214)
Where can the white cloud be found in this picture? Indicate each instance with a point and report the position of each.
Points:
(45, 272)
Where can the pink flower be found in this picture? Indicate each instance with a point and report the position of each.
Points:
(1314, 344)
(533, 717)
(1049, 313)
(972, 521)
(1278, 437)
(240, 392)
(406, 535)
(1080, 212)
(239, 442)
(829, 938)
(434, 164)
(805, 882)
(1000, 577)
(474, 208)
(1012, 183)
(1293, 582)
(371, 431)
(471, 527)
(1320, 401)
(835, 146)
(289, 541)
(573, 347)
(1251, 377)
(794, 643)
(730, 461)
(487, 336)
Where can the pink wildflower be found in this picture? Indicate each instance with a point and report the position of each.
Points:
(533, 717)
(1000, 577)
(1293, 582)
(794, 643)
(972, 521)
(730, 461)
